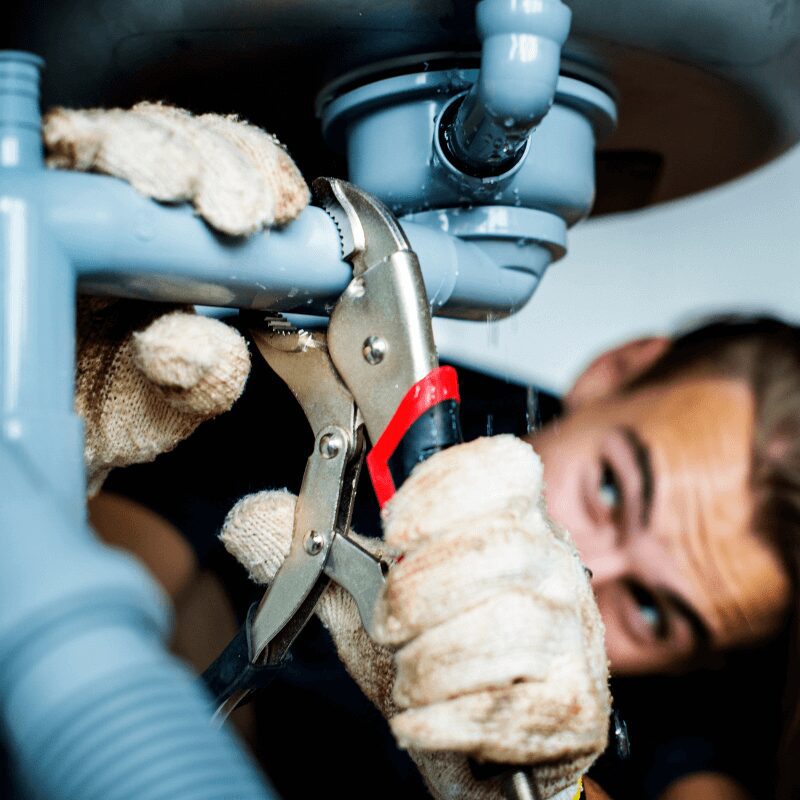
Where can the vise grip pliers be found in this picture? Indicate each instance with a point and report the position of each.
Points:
(374, 373)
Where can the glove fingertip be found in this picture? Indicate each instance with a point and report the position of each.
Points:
(69, 142)
(284, 192)
(258, 533)
(252, 212)
(199, 365)
(294, 194)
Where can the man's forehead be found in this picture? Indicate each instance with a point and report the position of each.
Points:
(700, 441)
(695, 398)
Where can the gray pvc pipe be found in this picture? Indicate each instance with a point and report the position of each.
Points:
(92, 706)
(124, 245)
(467, 279)
(520, 46)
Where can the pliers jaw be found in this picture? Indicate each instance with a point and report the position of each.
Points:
(381, 341)
(380, 335)
(368, 232)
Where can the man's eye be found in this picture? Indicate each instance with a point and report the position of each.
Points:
(609, 490)
(651, 611)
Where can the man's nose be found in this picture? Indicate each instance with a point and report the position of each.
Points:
(607, 567)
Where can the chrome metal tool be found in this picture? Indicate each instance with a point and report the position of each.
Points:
(374, 373)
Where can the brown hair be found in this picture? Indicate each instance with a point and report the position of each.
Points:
(765, 353)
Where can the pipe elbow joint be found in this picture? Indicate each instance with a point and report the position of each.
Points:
(521, 47)
(500, 80)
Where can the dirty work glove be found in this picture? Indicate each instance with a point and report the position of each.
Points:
(145, 379)
(490, 642)
(149, 374)
(238, 177)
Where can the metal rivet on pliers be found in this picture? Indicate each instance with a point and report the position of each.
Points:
(314, 543)
(330, 445)
(374, 349)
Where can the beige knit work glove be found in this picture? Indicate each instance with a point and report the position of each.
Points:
(491, 644)
(149, 374)
(145, 379)
(238, 177)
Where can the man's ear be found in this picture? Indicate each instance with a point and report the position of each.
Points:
(615, 368)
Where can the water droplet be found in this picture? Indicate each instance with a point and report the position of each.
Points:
(533, 415)
(492, 331)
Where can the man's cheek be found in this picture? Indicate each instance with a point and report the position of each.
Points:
(625, 656)
(565, 486)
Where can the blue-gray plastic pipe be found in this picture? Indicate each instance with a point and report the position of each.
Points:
(521, 44)
(125, 245)
(92, 706)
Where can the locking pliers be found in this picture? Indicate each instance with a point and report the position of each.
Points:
(375, 374)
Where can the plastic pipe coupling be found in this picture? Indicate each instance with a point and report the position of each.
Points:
(388, 129)
(485, 133)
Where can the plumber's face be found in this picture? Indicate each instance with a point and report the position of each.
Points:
(653, 484)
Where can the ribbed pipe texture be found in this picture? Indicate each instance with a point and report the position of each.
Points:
(140, 736)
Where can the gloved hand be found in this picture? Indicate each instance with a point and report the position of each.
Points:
(149, 374)
(490, 642)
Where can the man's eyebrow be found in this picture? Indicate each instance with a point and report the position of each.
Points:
(702, 634)
(641, 454)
